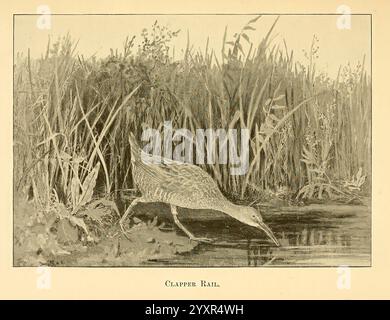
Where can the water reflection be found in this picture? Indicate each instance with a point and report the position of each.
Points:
(315, 238)
(259, 255)
(311, 240)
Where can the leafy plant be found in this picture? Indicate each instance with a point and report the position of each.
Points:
(356, 182)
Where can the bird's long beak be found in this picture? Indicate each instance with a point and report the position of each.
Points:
(267, 230)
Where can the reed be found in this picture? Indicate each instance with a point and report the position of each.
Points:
(71, 113)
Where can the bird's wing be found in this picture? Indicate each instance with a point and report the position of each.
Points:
(181, 178)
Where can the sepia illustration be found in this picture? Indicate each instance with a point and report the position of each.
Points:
(192, 140)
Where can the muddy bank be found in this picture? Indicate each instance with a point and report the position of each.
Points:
(315, 234)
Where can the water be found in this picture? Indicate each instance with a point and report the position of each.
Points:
(315, 235)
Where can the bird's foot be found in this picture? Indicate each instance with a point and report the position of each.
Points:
(126, 233)
(122, 226)
(203, 240)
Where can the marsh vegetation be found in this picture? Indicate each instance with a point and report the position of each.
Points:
(310, 134)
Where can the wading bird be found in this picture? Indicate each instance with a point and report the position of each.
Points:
(184, 185)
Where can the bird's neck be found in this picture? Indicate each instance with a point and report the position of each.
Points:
(230, 209)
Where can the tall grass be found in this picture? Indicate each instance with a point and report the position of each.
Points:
(71, 113)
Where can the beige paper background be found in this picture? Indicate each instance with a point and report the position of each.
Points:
(236, 283)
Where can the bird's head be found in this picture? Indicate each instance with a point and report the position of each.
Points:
(252, 217)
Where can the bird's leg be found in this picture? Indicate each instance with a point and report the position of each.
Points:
(186, 231)
(128, 210)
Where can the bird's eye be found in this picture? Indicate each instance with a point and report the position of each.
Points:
(253, 216)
